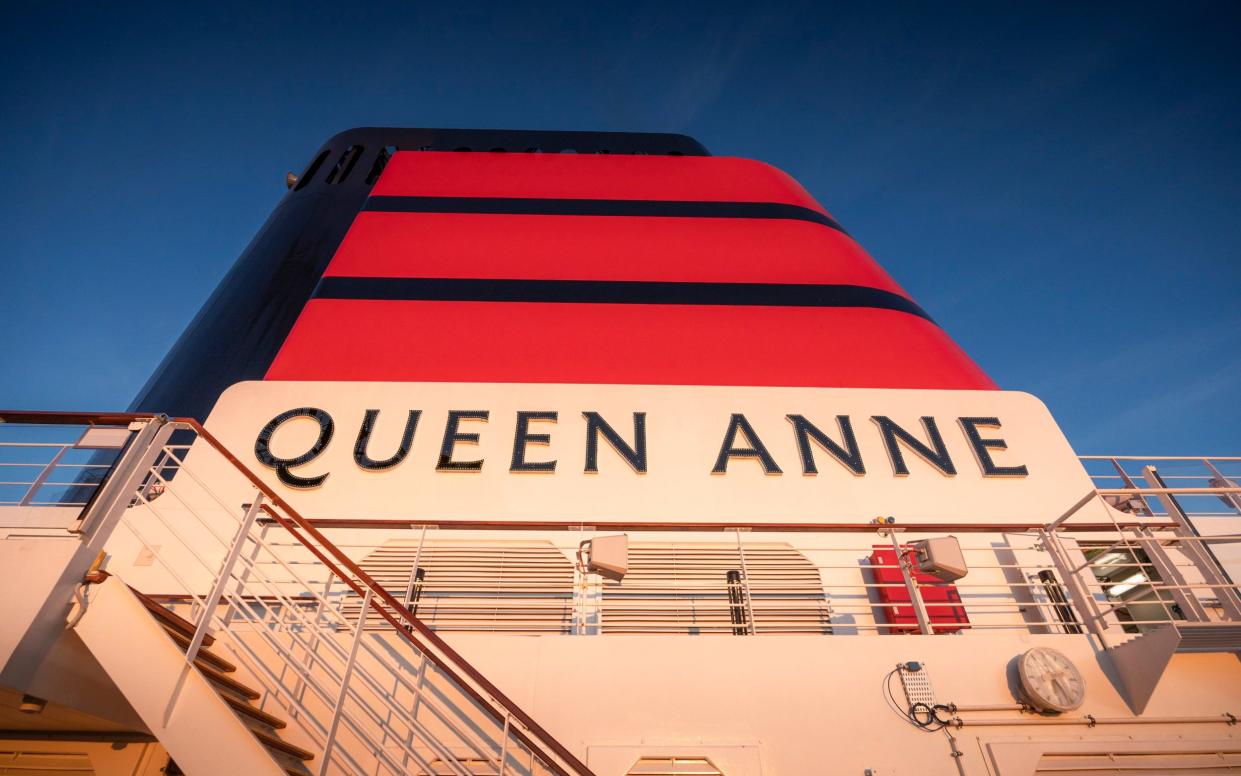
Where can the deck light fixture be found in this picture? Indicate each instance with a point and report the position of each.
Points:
(31, 705)
(940, 557)
(607, 556)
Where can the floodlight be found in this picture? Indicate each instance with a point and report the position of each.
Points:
(940, 557)
(607, 556)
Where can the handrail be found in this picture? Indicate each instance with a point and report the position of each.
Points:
(369, 585)
(396, 606)
(1167, 491)
(473, 683)
(625, 525)
(77, 418)
(442, 655)
(1159, 457)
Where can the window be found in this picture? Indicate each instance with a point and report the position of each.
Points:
(381, 161)
(348, 160)
(1126, 575)
(311, 169)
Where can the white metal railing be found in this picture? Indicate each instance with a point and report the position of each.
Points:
(803, 582)
(57, 465)
(395, 701)
(1199, 484)
(334, 643)
(1144, 578)
(1130, 574)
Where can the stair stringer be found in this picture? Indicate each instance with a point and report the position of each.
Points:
(181, 709)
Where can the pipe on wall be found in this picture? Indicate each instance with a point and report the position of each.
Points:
(991, 707)
(1225, 718)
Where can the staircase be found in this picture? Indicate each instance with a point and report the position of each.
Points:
(240, 697)
(1141, 660)
(275, 666)
(201, 713)
(1202, 608)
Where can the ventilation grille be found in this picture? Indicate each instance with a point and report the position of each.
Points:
(1150, 762)
(684, 588)
(20, 763)
(513, 587)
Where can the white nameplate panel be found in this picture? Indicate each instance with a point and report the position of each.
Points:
(525, 451)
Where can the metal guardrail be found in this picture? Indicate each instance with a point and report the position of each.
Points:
(1124, 585)
(317, 628)
(58, 465)
(1141, 485)
(1137, 579)
(195, 508)
(815, 580)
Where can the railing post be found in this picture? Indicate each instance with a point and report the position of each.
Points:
(508, 718)
(1073, 510)
(43, 476)
(1218, 480)
(911, 585)
(117, 491)
(344, 682)
(1166, 571)
(1197, 550)
(221, 580)
(1129, 483)
(413, 590)
(1079, 595)
(244, 577)
(587, 595)
(312, 645)
(745, 587)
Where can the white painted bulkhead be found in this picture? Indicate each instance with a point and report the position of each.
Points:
(764, 704)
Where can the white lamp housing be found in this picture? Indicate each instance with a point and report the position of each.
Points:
(607, 556)
(940, 557)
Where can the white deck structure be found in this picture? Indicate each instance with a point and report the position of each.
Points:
(167, 594)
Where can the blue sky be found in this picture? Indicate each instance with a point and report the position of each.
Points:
(1058, 184)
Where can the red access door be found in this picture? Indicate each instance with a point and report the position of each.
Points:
(942, 599)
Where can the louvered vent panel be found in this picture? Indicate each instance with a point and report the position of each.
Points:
(683, 588)
(512, 587)
(1228, 760)
(674, 766)
(21, 763)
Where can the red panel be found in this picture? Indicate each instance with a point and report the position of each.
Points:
(743, 250)
(589, 176)
(942, 599)
(621, 343)
(336, 339)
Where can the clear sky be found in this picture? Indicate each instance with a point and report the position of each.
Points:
(1059, 185)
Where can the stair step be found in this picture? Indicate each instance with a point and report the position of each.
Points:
(241, 707)
(204, 654)
(228, 682)
(169, 619)
(280, 745)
